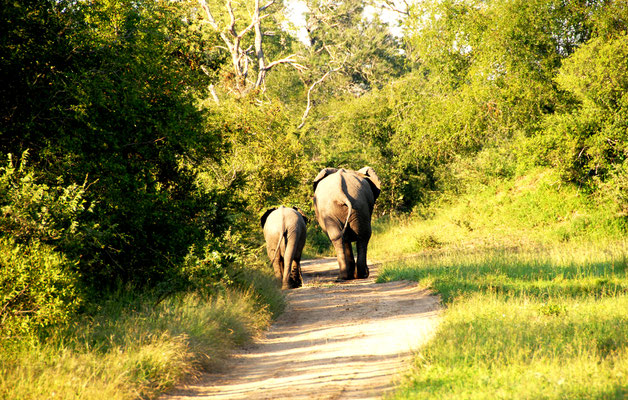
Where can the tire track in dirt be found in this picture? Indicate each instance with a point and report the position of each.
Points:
(349, 340)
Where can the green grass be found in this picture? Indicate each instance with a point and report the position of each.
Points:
(525, 348)
(536, 302)
(133, 348)
(528, 212)
(565, 270)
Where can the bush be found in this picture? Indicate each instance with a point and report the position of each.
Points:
(34, 211)
(40, 225)
(37, 288)
(588, 143)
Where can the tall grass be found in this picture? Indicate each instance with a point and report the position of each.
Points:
(133, 348)
(536, 293)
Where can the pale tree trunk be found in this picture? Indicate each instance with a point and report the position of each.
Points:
(241, 58)
(259, 51)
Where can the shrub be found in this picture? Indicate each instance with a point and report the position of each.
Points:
(588, 143)
(40, 225)
(30, 210)
(37, 287)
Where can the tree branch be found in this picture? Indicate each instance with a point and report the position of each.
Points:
(287, 60)
(309, 95)
(252, 25)
(210, 17)
(270, 3)
(392, 6)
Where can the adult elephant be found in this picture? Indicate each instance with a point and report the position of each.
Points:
(343, 201)
(285, 231)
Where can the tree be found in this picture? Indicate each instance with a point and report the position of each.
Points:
(238, 44)
(107, 91)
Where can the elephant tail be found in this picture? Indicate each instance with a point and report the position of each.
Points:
(349, 210)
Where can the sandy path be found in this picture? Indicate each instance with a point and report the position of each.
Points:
(334, 341)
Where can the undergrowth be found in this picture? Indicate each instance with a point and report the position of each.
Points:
(136, 346)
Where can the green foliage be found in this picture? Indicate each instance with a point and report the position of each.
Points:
(265, 163)
(38, 288)
(41, 229)
(482, 82)
(147, 168)
(111, 97)
(588, 144)
(361, 50)
(535, 208)
(33, 211)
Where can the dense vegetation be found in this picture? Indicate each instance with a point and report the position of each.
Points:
(140, 141)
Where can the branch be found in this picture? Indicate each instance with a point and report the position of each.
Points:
(232, 29)
(251, 26)
(212, 90)
(392, 6)
(309, 95)
(213, 23)
(270, 3)
(210, 17)
(287, 60)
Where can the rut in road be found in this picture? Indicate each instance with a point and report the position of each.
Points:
(348, 340)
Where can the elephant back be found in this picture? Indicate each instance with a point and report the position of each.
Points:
(347, 181)
(278, 220)
(341, 185)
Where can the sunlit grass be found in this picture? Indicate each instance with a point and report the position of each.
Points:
(536, 306)
(132, 350)
(564, 270)
(527, 213)
(492, 347)
(525, 348)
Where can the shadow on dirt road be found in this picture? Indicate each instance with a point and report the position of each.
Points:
(336, 340)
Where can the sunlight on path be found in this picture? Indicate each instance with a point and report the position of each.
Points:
(334, 341)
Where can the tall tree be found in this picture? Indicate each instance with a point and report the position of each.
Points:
(106, 91)
(350, 51)
(247, 54)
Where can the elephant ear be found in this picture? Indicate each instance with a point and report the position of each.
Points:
(306, 219)
(265, 216)
(373, 180)
(324, 172)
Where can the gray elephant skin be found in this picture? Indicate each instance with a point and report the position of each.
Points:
(285, 232)
(344, 201)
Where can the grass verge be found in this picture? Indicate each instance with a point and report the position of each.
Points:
(536, 307)
(132, 348)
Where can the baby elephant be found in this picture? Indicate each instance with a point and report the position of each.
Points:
(284, 231)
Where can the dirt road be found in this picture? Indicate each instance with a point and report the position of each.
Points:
(334, 341)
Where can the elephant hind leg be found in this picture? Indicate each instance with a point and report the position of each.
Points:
(296, 279)
(348, 250)
(278, 267)
(362, 271)
(346, 263)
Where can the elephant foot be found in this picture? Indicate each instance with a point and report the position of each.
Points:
(296, 281)
(292, 284)
(363, 274)
(342, 279)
